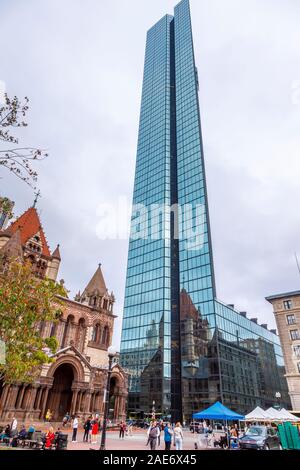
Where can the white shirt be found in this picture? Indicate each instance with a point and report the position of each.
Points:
(14, 424)
(178, 433)
(75, 423)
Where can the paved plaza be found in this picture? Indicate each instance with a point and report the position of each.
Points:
(135, 442)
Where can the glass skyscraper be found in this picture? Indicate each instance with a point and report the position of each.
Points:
(183, 348)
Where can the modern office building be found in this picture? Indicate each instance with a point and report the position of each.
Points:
(182, 348)
(287, 315)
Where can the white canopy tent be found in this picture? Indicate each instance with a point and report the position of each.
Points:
(273, 414)
(258, 414)
(287, 416)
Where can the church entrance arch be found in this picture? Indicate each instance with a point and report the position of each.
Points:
(60, 395)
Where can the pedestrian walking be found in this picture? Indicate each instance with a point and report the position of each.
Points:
(159, 427)
(153, 433)
(95, 431)
(130, 426)
(66, 419)
(122, 430)
(168, 436)
(75, 429)
(178, 436)
(87, 425)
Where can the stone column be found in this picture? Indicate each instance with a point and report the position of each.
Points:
(79, 400)
(82, 400)
(13, 396)
(101, 404)
(121, 407)
(93, 402)
(32, 397)
(44, 402)
(74, 401)
(20, 399)
(4, 396)
(87, 403)
(8, 395)
(98, 402)
(116, 408)
(38, 403)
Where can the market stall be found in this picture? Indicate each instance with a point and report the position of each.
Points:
(258, 415)
(219, 412)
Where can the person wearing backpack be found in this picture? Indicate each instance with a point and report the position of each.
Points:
(153, 433)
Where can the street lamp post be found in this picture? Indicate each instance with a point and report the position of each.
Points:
(111, 355)
(153, 409)
(278, 396)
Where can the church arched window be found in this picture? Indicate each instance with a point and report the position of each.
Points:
(53, 329)
(80, 337)
(105, 335)
(96, 333)
(67, 331)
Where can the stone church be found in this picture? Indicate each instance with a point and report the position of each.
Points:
(76, 379)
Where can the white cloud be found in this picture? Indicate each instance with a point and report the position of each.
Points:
(81, 65)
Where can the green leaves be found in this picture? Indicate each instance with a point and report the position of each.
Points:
(26, 302)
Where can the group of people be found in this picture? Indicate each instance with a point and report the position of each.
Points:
(125, 429)
(91, 429)
(207, 437)
(51, 438)
(13, 437)
(171, 434)
(10, 430)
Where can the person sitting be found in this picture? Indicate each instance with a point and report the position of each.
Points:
(5, 434)
(58, 435)
(30, 432)
(14, 442)
(221, 442)
(49, 439)
(22, 434)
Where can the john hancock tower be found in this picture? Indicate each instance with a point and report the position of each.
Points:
(183, 349)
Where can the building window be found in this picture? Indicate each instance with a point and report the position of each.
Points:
(297, 350)
(298, 367)
(287, 304)
(105, 336)
(96, 333)
(291, 319)
(294, 334)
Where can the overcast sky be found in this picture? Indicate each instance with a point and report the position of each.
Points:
(81, 64)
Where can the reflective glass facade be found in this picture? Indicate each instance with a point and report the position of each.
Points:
(182, 348)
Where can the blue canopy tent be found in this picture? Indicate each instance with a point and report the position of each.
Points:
(218, 411)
